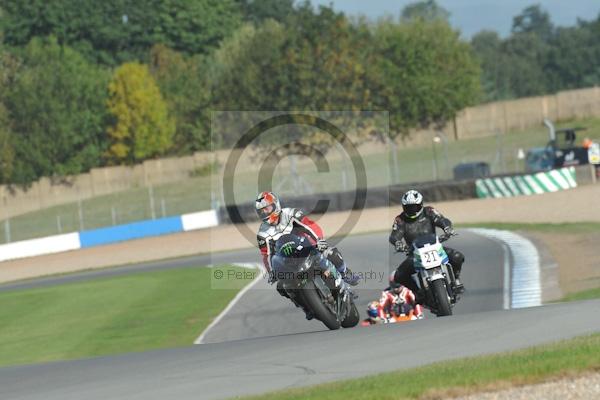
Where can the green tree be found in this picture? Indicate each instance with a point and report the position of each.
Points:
(538, 58)
(115, 31)
(427, 10)
(335, 51)
(142, 127)
(524, 74)
(56, 102)
(423, 73)
(7, 155)
(247, 72)
(534, 20)
(512, 67)
(8, 68)
(573, 57)
(183, 84)
(314, 62)
(257, 11)
(486, 45)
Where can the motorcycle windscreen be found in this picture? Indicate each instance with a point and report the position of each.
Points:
(424, 240)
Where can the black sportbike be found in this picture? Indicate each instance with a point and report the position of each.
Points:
(313, 282)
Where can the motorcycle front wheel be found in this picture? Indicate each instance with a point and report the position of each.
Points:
(313, 300)
(440, 293)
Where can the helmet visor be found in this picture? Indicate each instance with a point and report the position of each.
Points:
(263, 213)
(412, 209)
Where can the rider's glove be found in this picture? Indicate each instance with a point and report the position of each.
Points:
(449, 231)
(322, 245)
(401, 246)
(272, 277)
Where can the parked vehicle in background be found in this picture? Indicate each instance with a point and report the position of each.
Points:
(472, 170)
(561, 150)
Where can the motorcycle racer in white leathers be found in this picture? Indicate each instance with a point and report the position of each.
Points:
(278, 221)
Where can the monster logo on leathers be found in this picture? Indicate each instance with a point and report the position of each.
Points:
(288, 249)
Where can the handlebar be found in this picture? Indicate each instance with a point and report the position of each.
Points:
(445, 237)
(442, 238)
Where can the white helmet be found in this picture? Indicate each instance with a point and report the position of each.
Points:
(412, 204)
(268, 207)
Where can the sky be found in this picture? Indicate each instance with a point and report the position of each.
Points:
(472, 16)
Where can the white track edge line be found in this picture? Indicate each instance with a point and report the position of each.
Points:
(506, 287)
(233, 302)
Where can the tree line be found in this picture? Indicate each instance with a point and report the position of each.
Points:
(86, 84)
(538, 57)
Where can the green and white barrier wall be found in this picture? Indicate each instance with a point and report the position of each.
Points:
(526, 185)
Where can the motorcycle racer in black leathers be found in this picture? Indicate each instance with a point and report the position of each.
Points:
(414, 221)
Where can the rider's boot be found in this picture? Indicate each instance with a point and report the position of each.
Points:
(334, 256)
(350, 278)
(347, 275)
(457, 263)
(307, 313)
(459, 288)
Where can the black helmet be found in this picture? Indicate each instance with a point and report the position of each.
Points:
(412, 204)
(293, 246)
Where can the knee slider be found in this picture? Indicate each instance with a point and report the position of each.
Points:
(458, 258)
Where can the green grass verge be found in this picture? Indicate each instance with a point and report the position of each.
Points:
(574, 227)
(138, 312)
(583, 295)
(461, 376)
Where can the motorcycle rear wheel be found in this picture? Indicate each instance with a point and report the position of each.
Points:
(313, 300)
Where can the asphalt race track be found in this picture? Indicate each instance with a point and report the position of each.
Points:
(266, 344)
(263, 312)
